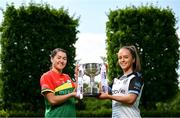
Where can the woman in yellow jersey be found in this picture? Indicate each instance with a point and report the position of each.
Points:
(57, 88)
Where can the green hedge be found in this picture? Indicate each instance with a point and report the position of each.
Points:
(3, 113)
(88, 107)
(29, 34)
(154, 113)
(152, 30)
(15, 113)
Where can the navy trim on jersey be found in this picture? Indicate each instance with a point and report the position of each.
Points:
(136, 83)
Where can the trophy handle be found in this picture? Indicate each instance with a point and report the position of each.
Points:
(104, 82)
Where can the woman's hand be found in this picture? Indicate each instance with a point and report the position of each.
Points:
(103, 95)
(74, 94)
(76, 72)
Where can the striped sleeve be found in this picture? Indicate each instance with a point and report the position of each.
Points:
(136, 84)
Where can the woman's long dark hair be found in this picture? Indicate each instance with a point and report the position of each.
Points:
(55, 51)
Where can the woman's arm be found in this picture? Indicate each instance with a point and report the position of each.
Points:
(128, 99)
(55, 100)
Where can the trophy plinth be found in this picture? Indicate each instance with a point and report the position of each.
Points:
(91, 70)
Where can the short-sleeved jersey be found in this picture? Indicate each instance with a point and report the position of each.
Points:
(132, 83)
(59, 84)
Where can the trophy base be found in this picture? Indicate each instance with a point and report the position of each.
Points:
(91, 94)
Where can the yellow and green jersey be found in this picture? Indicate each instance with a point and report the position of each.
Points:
(59, 84)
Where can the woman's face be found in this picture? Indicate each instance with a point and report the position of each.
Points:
(125, 59)
(59, 61)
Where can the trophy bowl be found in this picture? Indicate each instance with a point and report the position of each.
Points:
(91, 70)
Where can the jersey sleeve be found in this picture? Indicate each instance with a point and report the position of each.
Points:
(46, 84)
(136, 84)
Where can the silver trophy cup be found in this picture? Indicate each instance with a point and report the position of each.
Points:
(91, 70)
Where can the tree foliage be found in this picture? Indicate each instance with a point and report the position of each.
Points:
(152, 30)
(29, 33)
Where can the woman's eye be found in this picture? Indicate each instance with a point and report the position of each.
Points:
(65, 58)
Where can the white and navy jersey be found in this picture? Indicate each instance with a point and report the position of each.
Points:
(132, 83)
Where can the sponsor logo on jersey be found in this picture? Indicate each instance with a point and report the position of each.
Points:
(118, 91)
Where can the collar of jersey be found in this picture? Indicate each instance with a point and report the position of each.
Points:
(125, 76)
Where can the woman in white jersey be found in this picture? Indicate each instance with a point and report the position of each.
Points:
(126, 89)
